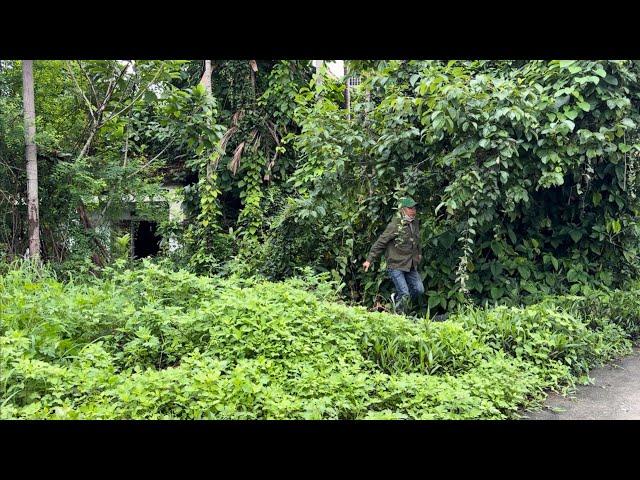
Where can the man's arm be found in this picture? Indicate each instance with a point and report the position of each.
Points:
(381, 243)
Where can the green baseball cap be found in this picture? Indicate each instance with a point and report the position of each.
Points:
(407, 202)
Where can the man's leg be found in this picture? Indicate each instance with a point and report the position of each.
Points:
(416, 289)
(414, 283)
(402, 289)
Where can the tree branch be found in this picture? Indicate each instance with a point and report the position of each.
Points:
(154, 158)
(126, 107)
(81, 91)
(95, 95)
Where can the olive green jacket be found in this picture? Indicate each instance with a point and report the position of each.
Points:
(400, 242)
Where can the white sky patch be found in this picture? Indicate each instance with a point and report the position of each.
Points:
(336, 67)
(129, 66)
(154, 87)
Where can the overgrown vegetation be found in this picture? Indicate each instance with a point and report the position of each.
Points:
(526, 176)
(157, 343)
(525, 171)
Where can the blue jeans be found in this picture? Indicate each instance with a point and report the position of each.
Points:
(408, 284)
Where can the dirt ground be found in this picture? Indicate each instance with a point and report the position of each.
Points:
(613, 395)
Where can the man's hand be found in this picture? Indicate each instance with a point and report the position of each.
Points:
(366, 266)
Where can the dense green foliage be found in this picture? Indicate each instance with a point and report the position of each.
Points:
(525, 170)
(157, 343)
(525, 173)
(154, 125)
(119, 161)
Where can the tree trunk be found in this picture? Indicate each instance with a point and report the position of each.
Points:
(206, 77)
(206, 81)
(347, 92)
(32, 159)
(319, 64)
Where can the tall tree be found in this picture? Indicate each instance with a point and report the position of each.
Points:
(32, 159)
(205, 81)
(206, 76)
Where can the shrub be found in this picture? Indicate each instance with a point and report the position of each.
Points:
(150, 342)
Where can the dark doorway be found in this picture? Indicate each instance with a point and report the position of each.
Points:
(146, 242)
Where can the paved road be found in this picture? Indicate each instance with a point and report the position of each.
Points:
(613, 395)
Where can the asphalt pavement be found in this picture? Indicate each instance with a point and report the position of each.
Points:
(614, 394)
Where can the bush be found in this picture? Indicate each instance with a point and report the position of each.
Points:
(150, 342)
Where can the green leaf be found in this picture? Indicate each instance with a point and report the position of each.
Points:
(566, 63)
(560, 101)
(524, 271)
(627, 122)
(572, 275)
(597, 198)
(571, 114)
(588, 79)
(624, 148)
(150, 96)
(496, 292)
(584, 106)
(496, 268)
(199, 89)
(434, 301)
(575, 235)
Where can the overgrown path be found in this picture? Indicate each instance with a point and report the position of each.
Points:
(613, 395)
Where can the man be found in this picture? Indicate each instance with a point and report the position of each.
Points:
(401, 243)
